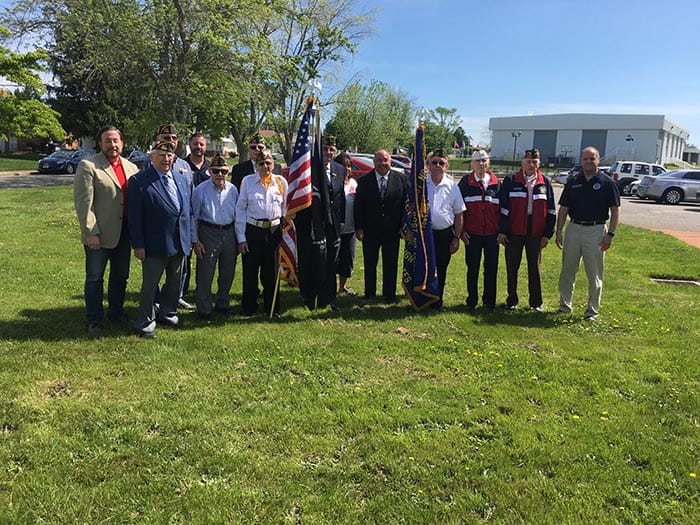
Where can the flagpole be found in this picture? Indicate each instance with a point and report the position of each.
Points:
(274, 295)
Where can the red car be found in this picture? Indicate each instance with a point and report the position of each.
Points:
(360, 166)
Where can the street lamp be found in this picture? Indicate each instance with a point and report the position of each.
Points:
(630, 148)
(515, 135)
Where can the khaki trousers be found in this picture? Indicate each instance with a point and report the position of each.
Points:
(582, 242)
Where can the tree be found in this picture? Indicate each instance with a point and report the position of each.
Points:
(215, 66)
(372, 117)
(440, 126)
(22, 113)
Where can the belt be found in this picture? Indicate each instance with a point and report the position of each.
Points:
(216, 226)
(262, 223)
(588, 223)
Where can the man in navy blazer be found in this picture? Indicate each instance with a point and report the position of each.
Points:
(378, 212)
(161, 227)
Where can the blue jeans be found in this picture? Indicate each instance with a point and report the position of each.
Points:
(119, 258)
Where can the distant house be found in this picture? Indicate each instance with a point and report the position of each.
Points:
(561, 137)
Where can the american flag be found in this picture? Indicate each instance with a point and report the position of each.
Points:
(299, 195)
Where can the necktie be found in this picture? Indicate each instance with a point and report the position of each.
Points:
(172, 191)
(382, 186)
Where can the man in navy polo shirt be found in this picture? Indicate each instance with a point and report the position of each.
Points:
(589, 199)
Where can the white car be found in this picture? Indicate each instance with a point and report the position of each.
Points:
(563, 176)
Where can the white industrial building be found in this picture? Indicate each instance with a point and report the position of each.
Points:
(560, 138)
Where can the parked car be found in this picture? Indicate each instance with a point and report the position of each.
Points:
(627, 171)
(360, 166)
(62, 161)
(563, 176)
(671, 187)
(138, 157)
(403, 158)
(396, 164)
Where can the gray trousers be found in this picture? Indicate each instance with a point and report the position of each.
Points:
(152, 269)
(220, 247)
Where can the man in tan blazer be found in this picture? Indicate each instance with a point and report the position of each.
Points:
(99, 192)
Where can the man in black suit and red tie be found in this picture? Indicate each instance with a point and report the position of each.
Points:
(379, 207)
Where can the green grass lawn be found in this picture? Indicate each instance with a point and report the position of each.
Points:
(376, 415)
(22, 162)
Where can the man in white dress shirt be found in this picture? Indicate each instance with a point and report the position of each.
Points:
(260, 209)
(214, 208)
(446, 208)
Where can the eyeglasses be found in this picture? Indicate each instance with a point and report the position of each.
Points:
(265, 163)
(258, 147)
(172, 138)
(438, 163)
(219, 171)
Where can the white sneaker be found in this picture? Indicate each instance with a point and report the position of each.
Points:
(184, 304)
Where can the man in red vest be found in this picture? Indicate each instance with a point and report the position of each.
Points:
(528, 216)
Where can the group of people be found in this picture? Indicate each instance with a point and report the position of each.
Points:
(519, 213)
(172, 207)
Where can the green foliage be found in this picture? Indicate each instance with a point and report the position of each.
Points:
(376, 415)
(441, 124)
(372, 117)
(23, 114)
(215, 66)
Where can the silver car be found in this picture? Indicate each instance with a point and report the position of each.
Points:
(671, 187)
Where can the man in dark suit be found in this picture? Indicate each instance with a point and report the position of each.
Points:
(256, 145)
(335, 176)
(379, 206)
(161, 228)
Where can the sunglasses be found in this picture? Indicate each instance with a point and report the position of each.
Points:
(172, 138)
(219, 171)
(265, 163)
(438, 163)
(258, 147)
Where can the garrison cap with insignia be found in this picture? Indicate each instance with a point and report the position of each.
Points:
(218, 160)
(532, 154)
(479, 154)
(257, 139)
(164, 145)
(439, 152)
(262, 156)
(328, 140)
(167, 129)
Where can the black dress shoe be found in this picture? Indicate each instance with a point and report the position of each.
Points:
(119, 319)
(203, 316)
(95, 330)
(223, 311)
(334, 307)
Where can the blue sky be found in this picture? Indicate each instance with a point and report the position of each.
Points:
(517, 57)
(506, 57)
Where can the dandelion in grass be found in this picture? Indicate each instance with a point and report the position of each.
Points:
(575, 417)
(693, 475)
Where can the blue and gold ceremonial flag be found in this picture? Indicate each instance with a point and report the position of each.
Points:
(419, 278)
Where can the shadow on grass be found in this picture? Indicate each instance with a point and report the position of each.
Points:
(68, 323)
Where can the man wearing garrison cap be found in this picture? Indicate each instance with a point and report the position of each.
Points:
(528, 216)
(256, 145)
(214, 208)
(161, 228)
(168, 133)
